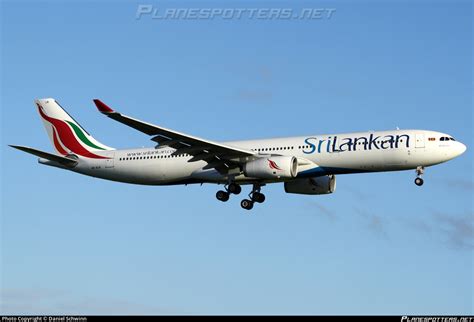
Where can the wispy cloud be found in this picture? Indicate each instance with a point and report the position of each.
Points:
(27, 301)
(417, 224)
(265, 74)
(45, 301)
(93, 306)
(462, 184)
(452, 229)
(373, 222)
(458, 230)
(30, 295)
(255, 96)
(258, 86)
(322, 210)
(356, 193)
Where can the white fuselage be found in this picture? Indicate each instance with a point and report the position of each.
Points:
(319, 155)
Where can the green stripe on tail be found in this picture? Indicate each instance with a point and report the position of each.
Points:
(82, 136)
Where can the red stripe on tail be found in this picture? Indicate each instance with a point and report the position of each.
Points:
(58, 145)
(67, 137)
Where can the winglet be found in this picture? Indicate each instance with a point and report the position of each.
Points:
(102, 107)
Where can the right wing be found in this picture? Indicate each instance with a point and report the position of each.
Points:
(68, 162)
(219, 156)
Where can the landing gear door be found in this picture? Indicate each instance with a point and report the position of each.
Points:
(419, 140)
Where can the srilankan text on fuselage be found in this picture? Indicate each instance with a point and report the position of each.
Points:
(331, 144)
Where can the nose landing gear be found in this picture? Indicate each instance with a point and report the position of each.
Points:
(420, 170)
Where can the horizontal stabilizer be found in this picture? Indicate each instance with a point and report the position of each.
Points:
(68, 162)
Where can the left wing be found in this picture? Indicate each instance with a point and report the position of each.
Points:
(219, 156)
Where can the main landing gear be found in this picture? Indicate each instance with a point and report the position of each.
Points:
(255, 196)
(232, 187)
(420, 170)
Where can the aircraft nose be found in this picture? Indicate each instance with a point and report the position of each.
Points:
(460, 148)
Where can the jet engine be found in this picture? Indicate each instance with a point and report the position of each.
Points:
(272, 167)
(312, 186)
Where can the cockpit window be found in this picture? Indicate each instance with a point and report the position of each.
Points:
(445, 138)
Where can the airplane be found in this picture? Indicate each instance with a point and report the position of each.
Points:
(305, 164)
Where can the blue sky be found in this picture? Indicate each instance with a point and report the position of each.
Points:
(379, 245)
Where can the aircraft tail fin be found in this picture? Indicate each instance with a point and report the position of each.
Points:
(66, 134)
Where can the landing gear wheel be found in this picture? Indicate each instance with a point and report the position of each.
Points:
(234, 188)
(419, 182)
(246, 204)
(222, 195)
(258, 197)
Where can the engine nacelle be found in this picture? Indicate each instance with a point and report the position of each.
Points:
(272, 167)
(312, 186)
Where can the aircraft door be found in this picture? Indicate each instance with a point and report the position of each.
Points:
(419, 140)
